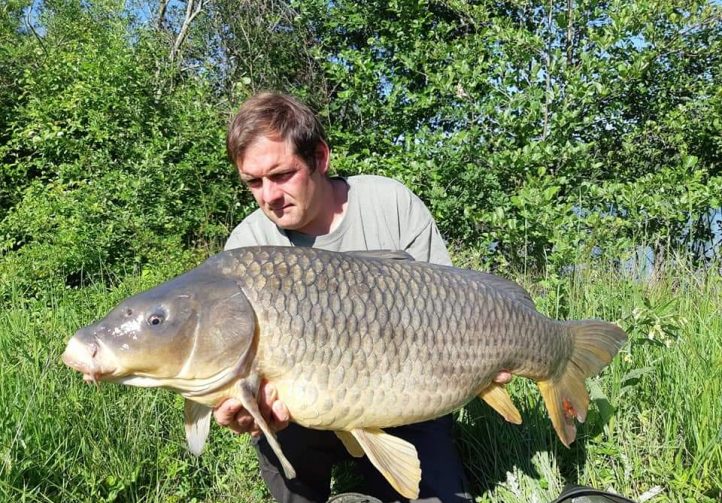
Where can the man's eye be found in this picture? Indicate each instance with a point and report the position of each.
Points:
(282, 177)
(253, 183)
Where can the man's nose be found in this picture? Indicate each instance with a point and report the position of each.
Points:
(271, 191)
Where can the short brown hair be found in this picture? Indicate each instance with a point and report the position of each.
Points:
(277, 116)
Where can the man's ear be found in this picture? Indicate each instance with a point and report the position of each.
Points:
(322, 156)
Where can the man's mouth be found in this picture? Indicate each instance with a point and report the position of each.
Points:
(280, 209)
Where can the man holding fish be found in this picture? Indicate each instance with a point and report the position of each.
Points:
(369, 350)
(280, 149)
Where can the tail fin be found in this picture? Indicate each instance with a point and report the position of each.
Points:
(595, 344)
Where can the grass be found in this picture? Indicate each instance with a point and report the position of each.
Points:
(654, 424)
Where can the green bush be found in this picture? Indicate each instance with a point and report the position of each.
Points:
(106, 171)
(541, 135)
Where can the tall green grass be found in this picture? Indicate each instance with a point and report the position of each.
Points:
(654, 424)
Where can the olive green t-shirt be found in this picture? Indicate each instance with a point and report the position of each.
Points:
(382, 214)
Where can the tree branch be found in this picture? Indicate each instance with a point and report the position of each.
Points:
(570, 32)
(547, 71)
(29, 24)
(193, 8)
(161, 14)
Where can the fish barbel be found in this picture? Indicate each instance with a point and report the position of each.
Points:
(354, 343)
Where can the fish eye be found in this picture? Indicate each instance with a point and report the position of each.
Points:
(155, 319)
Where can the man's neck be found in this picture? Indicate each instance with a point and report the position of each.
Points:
(334, 201)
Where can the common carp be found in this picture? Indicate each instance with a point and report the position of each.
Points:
(354, 343)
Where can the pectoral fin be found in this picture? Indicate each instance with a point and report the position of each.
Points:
(350, 443)
(197, 425)
(396, 459)
(248, 399)
(499, 400)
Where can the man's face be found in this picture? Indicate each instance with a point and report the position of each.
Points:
(283, 185)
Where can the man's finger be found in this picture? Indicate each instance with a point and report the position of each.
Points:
(244, 423)
(281, 416)
(225, 413)
(267, 394)
(273, 410)
(233, 416)
(503, 377)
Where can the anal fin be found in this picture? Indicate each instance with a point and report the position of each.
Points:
(396, 459)
(499, 400)
(350, 443)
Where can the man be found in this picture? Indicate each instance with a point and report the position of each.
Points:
(282, 156)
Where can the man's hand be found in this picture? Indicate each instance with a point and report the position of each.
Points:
(231, 413)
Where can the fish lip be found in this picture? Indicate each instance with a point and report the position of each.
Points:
(80, 356)
(94, 375)
(91, 378)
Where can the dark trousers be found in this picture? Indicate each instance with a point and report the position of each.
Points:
(312, 453)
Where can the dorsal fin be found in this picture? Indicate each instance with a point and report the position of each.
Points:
(507, 287)
(382, 254)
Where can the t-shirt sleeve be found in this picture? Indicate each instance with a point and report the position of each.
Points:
(255, 230)
(241, 236)
(420, 236)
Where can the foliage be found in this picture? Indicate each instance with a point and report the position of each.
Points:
(283, 60)
(516, 121)
(14, 56)
(104, 172)
(541, 134)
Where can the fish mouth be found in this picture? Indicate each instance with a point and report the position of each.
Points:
(98, 363)
(91, 379)
(82, 357)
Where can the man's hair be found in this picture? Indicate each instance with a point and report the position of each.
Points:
(278, 117)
